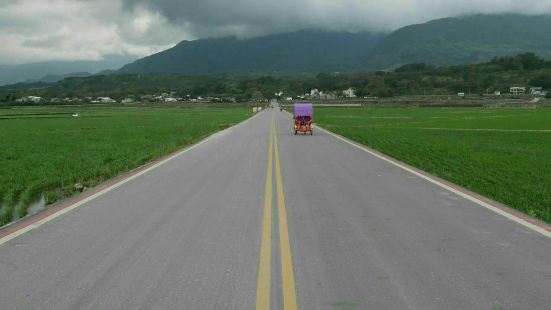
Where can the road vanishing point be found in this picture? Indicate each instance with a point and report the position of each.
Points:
(255, 217)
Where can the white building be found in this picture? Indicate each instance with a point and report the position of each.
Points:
(314, 93)
(517, 90)
(34, 99)
(349, 93)
(105, 100)
(289, 98)
(279, 94)
(328, 96)
(72, 99)
(170, 100)
(537, 91)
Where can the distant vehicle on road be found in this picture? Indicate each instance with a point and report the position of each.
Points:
(303, 114)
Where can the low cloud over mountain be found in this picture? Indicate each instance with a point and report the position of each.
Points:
(38, 30)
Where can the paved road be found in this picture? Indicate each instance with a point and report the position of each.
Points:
(208, 230)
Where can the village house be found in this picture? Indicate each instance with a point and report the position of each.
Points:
(349, 93)
(516, 90)
(26, 99)
(537, 91)
(105, 100)
(328, 96)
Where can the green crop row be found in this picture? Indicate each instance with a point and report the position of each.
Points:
(46, 152)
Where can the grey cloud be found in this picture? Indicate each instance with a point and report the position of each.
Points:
(254, 17)
(39, 30)
(48, 42)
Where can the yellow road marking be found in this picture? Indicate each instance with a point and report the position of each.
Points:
(287, 275)
(264, 269)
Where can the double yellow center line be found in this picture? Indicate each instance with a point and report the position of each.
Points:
(264, 270)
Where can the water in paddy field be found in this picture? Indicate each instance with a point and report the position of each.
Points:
(38, 205)
(35, 207)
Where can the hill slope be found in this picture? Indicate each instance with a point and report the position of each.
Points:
(415, 79)
(305, 51)
(32, 72)
(464, 40)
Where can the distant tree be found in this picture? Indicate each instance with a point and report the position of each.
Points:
(384, 93)
(418, 67)
(531, 61)
(542, 80)
(257, 95)
(487, 82)
(362, 92)
(499, 74)
(507, 63)
(335, 81)
(9, 98)
(526, 61)
(218, 87)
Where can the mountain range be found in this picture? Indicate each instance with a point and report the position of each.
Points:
(448, 41)
(460, 40)
(463, 40)
(52, 71)
(297, 52)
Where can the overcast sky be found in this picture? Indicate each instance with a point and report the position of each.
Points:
(42, 30)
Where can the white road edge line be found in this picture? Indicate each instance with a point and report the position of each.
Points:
(118, 184)
(508, 215)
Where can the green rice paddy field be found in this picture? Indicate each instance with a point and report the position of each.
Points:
(504, 154)
(47, 151)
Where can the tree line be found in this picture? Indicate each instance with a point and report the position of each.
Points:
(499, 74)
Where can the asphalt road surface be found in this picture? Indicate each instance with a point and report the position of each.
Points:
(314, 224)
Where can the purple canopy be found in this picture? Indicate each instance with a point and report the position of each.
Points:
(303, 109)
